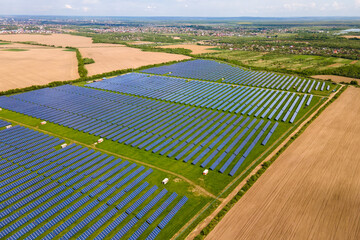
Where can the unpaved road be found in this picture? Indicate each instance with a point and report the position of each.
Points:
(312, 191)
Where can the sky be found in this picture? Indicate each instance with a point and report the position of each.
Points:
(186, 8)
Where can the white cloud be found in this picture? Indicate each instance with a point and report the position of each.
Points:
(90, 1)
(68, 6)
(337, 6)
(299, 6)
(357, 3)
(85, 9)
(151, 7)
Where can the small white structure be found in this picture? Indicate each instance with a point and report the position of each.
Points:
(89, 81)
(43, 122)
(100, 140)
(0, 109)
(8, 126)
(165, 181)
(63, 145)
(104, 78)
(205, 172)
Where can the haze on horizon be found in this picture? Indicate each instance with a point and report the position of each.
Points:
(193, 8)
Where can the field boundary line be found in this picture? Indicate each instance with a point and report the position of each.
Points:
(201, 189)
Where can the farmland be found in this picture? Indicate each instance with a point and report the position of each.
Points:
(311, 64)
(108, 57)
(25, 65)
(63, 40)
(337, 79)
(195, 49)
(290, 200)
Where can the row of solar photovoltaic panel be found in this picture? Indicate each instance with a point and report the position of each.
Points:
(283, 83)
(250, 101)
(214, 71)
(4, 123)
(80, 182)
(198, 69)
(180, 134)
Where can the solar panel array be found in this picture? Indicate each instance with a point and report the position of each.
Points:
(181, 132)
(245, 100)
(4, 123)
(215, 71)
(47, 193)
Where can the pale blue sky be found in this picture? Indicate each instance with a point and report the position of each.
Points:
(203, 8)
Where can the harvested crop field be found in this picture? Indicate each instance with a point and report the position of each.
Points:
(19, 46)
(63, 40)
(358, 37)
(312, 191)
(107, 57)
(335, 78)
(196, 49)
(110, 59)
(35, 66)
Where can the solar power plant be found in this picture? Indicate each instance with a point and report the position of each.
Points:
(47, 192)
(214, 139)
(244, 100)
(59, 181)
(214, 71)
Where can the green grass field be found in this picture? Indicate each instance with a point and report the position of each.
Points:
(274, 61)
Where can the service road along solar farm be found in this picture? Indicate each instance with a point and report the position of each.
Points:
(139, 155)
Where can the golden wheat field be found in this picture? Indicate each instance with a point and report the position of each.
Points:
(23, 66)
(62, 40)
(107, 57)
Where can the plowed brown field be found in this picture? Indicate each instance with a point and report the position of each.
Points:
(107, 57)
(312, 191)
(35, 66)
(63, 40)
(335, 78)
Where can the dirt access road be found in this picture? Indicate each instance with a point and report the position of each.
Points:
(312, 191)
